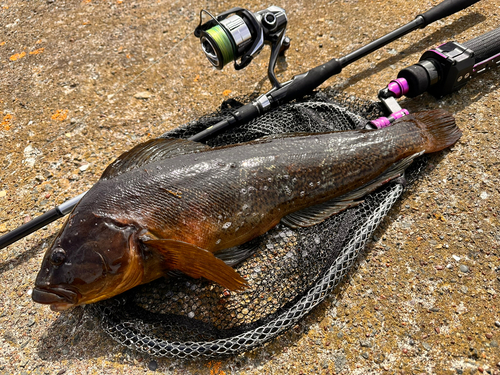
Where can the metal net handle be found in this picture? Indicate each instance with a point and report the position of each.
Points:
(125, 335)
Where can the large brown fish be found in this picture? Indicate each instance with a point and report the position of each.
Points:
(171, 204)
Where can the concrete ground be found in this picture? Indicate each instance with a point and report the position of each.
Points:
(83, 81)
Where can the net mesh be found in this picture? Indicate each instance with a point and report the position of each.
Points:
(290, 272)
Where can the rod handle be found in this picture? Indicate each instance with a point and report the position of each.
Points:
(485, 46)
(305, 83)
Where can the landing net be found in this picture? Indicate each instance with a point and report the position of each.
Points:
(291, 272)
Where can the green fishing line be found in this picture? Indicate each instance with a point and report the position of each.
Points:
(222, 41)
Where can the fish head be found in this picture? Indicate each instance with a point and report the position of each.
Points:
(91, 259)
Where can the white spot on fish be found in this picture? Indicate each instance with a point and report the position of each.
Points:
(286, 177)
(311, 184)
(302, 193)
(264, 187)
(317, 240)
(318, 183)
(226, 225)
(294, 180)
(191, 315)
(243, 191)
(269, 179)
(218, 241)
(287, 190)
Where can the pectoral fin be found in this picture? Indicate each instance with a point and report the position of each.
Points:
(197, 262)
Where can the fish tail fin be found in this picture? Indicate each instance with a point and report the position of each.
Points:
(440, 129)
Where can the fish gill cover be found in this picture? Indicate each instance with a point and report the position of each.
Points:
(291, 272)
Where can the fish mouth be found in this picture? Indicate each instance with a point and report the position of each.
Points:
(58, 298)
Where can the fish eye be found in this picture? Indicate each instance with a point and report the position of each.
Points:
(58, 256)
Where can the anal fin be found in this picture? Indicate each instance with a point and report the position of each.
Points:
(316, 214)
(197, 262)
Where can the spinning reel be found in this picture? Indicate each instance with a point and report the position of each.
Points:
(241, 34)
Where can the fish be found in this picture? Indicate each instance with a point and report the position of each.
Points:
(172, 205)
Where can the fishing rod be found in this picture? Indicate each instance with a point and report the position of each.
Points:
(304, 83)
(266, 27)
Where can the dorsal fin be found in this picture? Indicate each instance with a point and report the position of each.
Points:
(149, 152)
(316, 214)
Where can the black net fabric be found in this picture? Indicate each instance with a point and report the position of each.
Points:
(291, 271)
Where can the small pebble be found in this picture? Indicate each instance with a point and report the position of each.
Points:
(426, 346)
(497, 323)
(84, 167)
(489, 335)
(153, 365)
(379, 358)
(143, 95)
(464, 268)
(366, 343)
